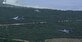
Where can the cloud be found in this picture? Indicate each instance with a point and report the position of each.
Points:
(11, 1)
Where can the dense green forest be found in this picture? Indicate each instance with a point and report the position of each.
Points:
(45, 23)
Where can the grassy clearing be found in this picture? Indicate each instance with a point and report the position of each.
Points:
(63, 40)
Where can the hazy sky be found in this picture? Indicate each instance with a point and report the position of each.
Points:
(53, 4)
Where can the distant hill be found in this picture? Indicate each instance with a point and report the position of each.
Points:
(40, 23)
(39, 14)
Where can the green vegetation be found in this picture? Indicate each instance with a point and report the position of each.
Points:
(55, 20)
(6, 40)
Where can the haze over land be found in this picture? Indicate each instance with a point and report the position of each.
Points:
(50, 4)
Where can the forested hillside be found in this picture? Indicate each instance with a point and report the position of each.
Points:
(40, 24)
